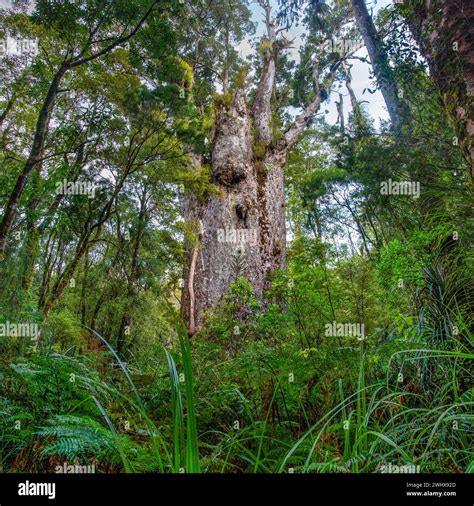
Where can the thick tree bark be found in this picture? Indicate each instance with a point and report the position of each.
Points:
(444, 31)
(245, 224)
(396, 108)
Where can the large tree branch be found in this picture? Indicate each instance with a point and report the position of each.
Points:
(304, 120)
(117, 42)
(294, 132)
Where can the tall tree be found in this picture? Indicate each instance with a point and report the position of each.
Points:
(87, 31)
(245, 221)
(396, 108)
(444, 32)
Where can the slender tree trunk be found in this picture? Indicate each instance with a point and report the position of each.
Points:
(35, 231)
(360, 124)
(32, 246)
(90, 230)
(397, 109)
(65, 277)
(133, 277)
(7, 109)
(85, 278)
(444, 31)
(340, 113)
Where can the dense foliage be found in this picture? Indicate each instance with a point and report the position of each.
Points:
(107, 375)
